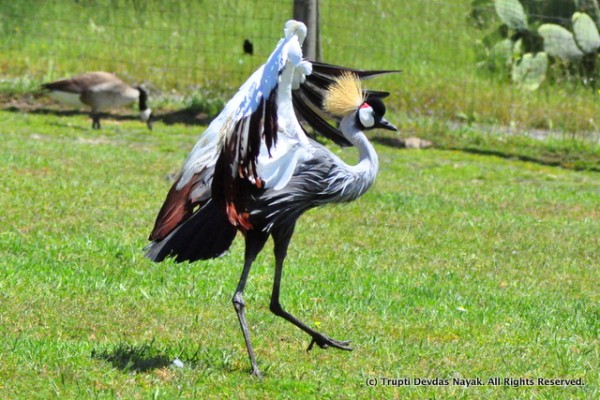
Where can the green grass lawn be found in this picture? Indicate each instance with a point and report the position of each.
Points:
(454, 265)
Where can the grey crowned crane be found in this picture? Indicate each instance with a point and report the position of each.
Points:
(255, 170)
(100, 91)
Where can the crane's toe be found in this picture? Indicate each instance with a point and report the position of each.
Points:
(256, 373)
(324, 342)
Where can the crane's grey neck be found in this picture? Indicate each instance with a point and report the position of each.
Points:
(366, 169)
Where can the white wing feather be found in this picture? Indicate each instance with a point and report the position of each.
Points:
(283, 68)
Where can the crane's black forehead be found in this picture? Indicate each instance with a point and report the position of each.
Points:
(377, 105)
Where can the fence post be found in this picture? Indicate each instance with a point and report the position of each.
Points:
(307, 11)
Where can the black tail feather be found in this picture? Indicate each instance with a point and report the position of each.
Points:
(320, 68)
(206, 234)
(308, 98)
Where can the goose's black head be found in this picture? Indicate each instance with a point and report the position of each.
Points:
(370, 115)
(145, 112)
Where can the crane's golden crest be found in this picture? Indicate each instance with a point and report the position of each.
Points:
(343, 96)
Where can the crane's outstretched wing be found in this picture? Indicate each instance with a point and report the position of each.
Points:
(308, 97)
(241, 146)
(228, 150)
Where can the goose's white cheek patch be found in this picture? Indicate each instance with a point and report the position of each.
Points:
(365, 114)
(145, 115)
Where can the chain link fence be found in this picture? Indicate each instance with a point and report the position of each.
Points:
(180, 43)
(181, 46)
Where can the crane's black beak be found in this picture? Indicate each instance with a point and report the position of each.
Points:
(385, 124)
(149, 123)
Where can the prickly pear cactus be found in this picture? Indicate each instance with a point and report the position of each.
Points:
(586, 33)
(530, 71)
(526, 47)
(559, 42)
(511, 12)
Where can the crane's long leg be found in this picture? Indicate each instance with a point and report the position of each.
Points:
(281, 238)
(254, 244)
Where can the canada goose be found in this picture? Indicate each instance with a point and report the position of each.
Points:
(254, 169)
(100, 91)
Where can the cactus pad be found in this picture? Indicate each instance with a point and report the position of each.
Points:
(586, 33)
(559, 42)
(530, 71)
(511, 12)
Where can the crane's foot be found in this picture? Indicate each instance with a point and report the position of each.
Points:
(256, 373)
(324, 342)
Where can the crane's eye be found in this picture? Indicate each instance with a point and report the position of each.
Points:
(366, 116)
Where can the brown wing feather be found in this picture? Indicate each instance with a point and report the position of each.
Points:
(82, 82)
(64, 85)
(179, 206)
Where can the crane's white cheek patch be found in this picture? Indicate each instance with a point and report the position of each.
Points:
(365, 114)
